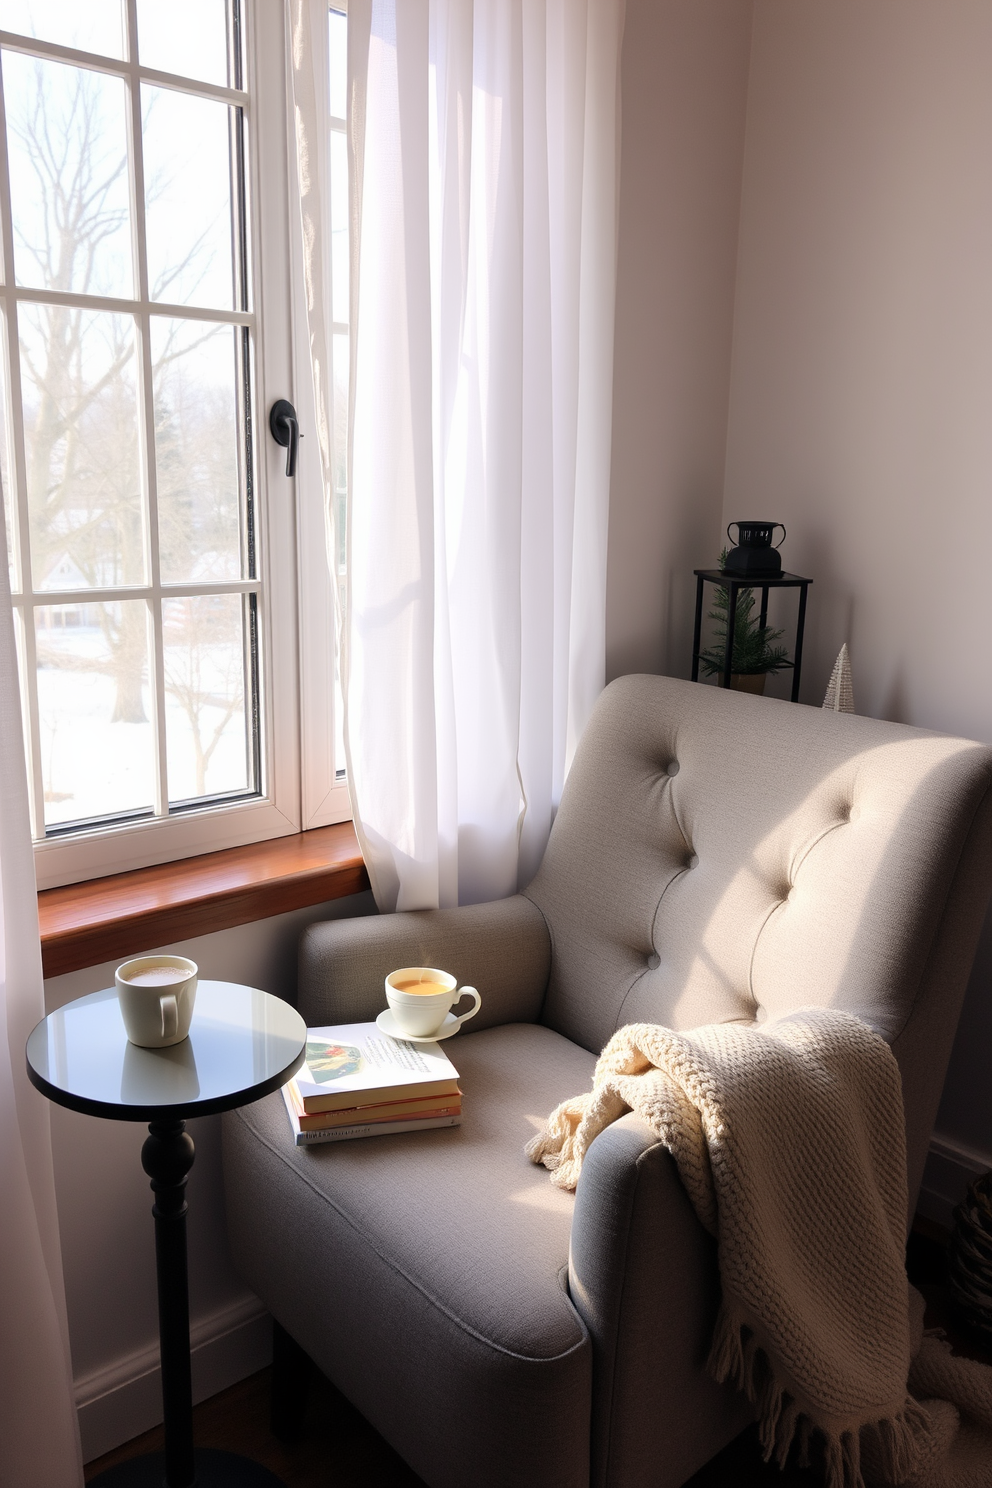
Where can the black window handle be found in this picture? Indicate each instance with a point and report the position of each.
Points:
(285, 430)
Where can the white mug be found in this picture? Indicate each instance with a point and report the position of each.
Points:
(419, 1011)
(156, 994)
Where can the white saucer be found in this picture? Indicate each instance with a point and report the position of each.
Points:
(387, 1024)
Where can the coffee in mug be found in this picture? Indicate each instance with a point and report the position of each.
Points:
(156, 996)
(420, 998)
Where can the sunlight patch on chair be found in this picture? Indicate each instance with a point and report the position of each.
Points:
(545, 1196)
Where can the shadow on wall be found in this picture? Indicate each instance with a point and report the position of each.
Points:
(831, 617)
(693, 534)
(650, 613)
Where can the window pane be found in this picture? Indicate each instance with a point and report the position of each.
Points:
(9, 510)
(339, 225)
(196, 450)
(337, 38)
(88, 25)
(188, 196)
(340, 352)
(67, 140)
(206, 655)
(97, 747)
(188, 37)
(79, 388)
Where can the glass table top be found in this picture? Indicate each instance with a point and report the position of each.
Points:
(243, 1043)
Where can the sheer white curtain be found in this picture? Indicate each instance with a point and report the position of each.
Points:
(39, 1435)
(484, 139)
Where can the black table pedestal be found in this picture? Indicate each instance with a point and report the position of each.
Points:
(243, 1043)
(167, 1157)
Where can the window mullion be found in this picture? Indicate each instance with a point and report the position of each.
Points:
(36, 779)
(147, 415)
(127, 307)
(33, 46)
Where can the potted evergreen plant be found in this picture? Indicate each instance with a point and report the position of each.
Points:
(755, 652)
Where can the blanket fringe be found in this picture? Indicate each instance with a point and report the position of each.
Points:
(892, 1444)
(559, 1146)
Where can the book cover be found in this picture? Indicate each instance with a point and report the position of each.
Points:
(362, 1129)
(353, 1064)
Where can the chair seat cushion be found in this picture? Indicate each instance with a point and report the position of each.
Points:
(449, 1240)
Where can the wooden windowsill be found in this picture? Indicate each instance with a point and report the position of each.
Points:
(108, 918)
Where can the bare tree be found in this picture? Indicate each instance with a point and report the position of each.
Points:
(204, 671)
(82, 431)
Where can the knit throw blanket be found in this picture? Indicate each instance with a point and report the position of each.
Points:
(789, 1139)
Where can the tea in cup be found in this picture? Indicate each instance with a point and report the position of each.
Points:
(156, 995)
(420, 998)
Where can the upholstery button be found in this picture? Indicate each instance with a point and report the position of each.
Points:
(692, 861)
(654, 961)
(672, 768)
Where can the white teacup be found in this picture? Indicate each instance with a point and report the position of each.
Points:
(156, 994)
(421, 996)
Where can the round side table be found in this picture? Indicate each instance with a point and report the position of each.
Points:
(242, 1044)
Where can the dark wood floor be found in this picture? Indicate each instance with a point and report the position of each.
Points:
(339, 1449)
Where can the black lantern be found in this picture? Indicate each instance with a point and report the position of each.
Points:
(754, 556)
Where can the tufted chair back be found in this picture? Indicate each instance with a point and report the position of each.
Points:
(719, 857)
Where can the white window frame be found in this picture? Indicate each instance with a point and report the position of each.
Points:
(298, 784)
(325, 795)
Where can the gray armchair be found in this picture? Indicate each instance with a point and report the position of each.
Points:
(716, 857)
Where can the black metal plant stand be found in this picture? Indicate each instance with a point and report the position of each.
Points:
(734, 584)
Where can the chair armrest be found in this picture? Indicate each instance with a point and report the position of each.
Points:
(503, 949)
(643, 1277)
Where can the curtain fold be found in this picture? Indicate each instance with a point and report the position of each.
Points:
(39, 1433)
(484, 140)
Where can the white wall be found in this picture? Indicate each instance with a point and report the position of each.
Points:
(684, 81)
(862, 368)
(861, 389)
(104, 1202)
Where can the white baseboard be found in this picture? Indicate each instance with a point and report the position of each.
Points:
(123, 1400)
(950, 1167)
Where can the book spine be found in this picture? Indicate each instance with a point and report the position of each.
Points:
(353, 1118)
(385, 1095)
(373, 1129)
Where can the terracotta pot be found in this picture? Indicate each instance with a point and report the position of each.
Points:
(748, 682)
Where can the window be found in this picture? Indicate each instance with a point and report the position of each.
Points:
(337, 80)
(152, 536)
(324, 791)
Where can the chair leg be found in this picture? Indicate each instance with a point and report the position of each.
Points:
(291, 1372)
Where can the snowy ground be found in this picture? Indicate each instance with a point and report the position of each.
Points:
(93, 767)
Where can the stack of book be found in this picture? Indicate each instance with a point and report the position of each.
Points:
(358, 1082)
